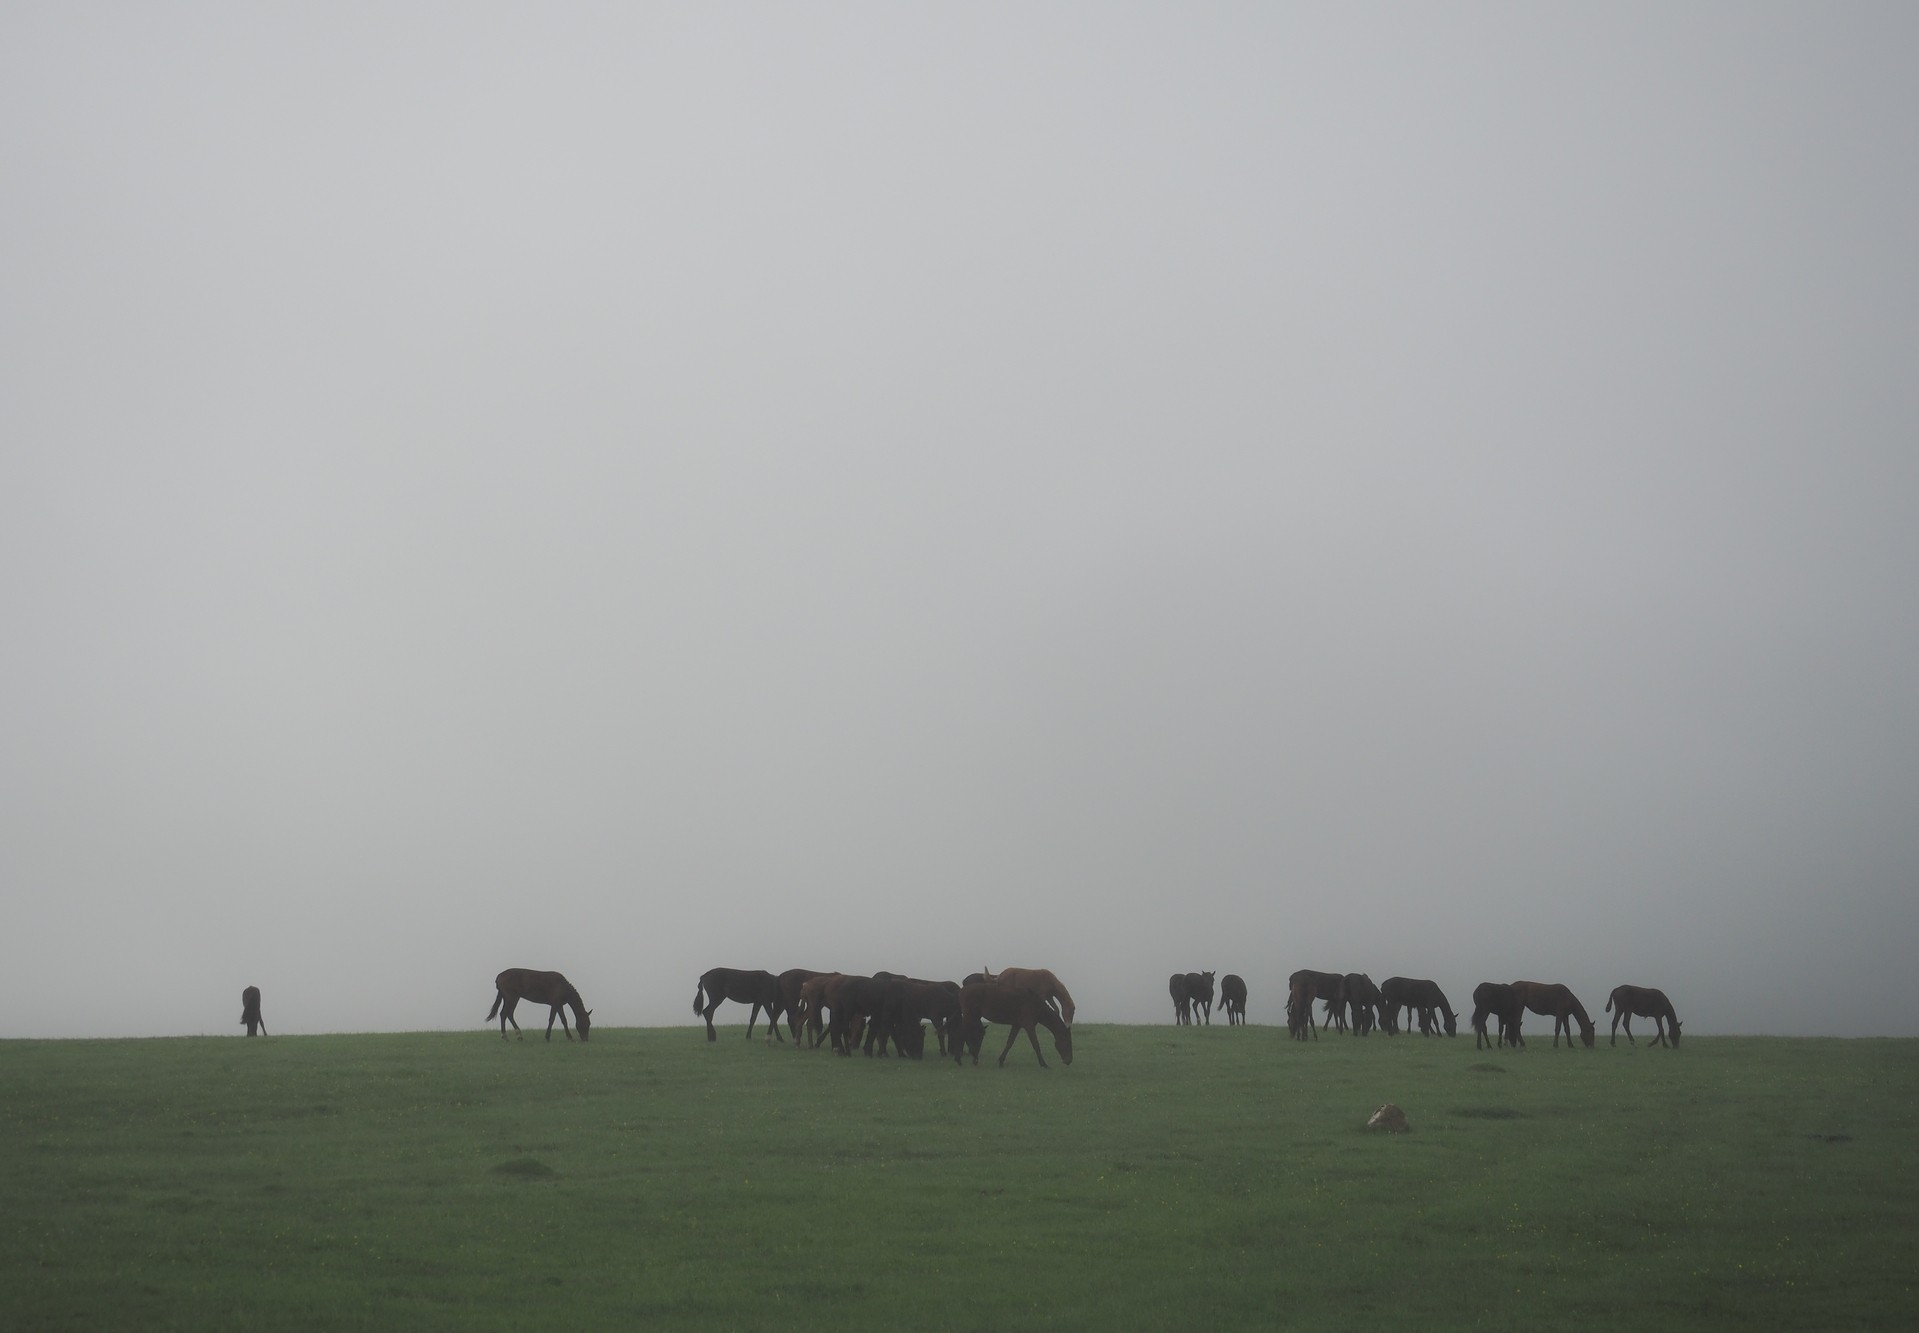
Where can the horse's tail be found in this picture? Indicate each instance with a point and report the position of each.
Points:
(699, 988)
(498, 996)
(1609, 1004)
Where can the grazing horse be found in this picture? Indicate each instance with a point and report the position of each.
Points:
(1559, 1004)
(1327, 986)
(1629, 1002)
(250, 1012)
(1493, 1000)
(1021, 1009)
(1182, 999)
(1363, 1002)
(1299, 1008)
(1232, 998)
(759, 989)
(548, 988)
(790, 982)
(816, 994)
(1417, 996)
(1199, 992)
(1041, 982)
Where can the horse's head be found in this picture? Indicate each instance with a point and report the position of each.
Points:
(1452, 1025)
(1063, 1043)
(1672, 1031)
(585, 1022)
(1585, 1030)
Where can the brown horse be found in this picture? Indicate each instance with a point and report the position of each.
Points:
(1299, 1007)
(817, 994)
(250, 1012)
(1629, 1002)
(1023, 1010)
(1329, 987)
(790, 982)
(1493, 1000)
(1362, 1002)
(1199, 993)
(548, 988)
(1415, 995)
(1554, 1001)
(759, 989)
(1182, 1000)
(1041, 982)
(1232, 998)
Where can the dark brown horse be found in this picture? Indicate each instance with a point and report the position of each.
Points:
(1554, 1001)
(1629, 1002)
(1182, 1000)
(790, 982)
(1329, 987)
(1491, 999)
(1232, 998)
(548, 988)
(1362, 1002)
(1041, 982)
(1199, 993)
(1299, 1007)
(1417, 996)
(1021, 1009)
(759, 989)
(250, 1012)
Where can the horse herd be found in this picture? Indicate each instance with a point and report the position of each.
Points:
(888, 1009)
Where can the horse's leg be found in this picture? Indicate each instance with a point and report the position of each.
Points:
(707, 1013)
(752, 1020)
(506, 1016)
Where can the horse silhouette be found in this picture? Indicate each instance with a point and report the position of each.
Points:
(1556, 1002)
(1415, 995)
(1199, 994)
(1362, 1002)
(1329, 987)
(1232, 998)
(1182, 999)
(1299, 1007)
(548, 988)
(1491, 999)
(250, 1012)
(759, 989)
(1629, 1002)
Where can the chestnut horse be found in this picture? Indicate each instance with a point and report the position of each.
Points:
(1232, 998)
(1041, 982)
(1629, 1002)
(1493, 1000)
(1021, 1009)
(548, 988)
(1559, 1004)
(759, 989)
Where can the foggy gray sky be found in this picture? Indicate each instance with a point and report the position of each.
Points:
(635, 488)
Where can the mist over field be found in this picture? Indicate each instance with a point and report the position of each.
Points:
(1117, 488)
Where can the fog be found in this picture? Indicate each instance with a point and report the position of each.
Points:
(1124, 489)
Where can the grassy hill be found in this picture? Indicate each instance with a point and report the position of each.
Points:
(1208, 1177)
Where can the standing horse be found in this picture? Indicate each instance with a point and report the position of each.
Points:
(250, 1012)
(1493, 1000)
(1041, 982)
(1299, 1007)
(1362, 1002)
(1329, 987)
(1629, 1002)
(1182, 999)
(759, 989)
(1199, 992)
(1232, 998)
(1418, 996)
(1556, 1002)
(790, 982)
(548, 988)
(1023, 1010)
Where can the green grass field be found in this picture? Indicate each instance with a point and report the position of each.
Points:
(1210, 1177)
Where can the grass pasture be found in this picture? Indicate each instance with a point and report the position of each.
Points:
(1205, 1177)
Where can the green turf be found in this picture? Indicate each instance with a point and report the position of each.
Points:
(1206, 1177)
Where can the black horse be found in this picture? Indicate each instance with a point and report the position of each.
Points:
(1362, 1002)
(1182, 1000)
(1629, 1002)
(1491, 999)
(548, 988)
(759, 989)
(1199, 994)
(1232, 998)
(1417, 996)
(250, 1012)
(1327, 986)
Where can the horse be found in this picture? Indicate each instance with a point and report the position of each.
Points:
(1629, 1002)
(1232, 998)
(1327, 986)
(1199, 993)
(250, 1012)
(1041, 982)
(1493, 1000)
(935, 1002)
(548, 988)
(790, 982)
(1182, 999)
(1559, 1004)
(759, 989)
(1415, 995)
(1023, 1010)
(817, 993)
(1362, 1001)
(1299, 1007)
